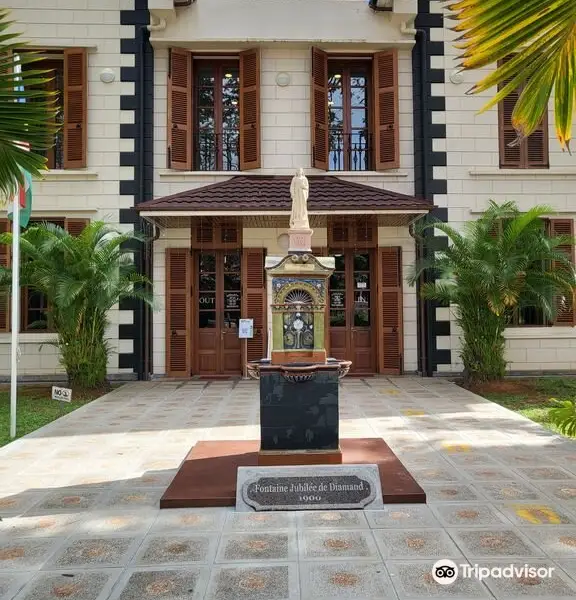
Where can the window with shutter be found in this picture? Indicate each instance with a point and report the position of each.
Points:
(214, 112)
(390, 342)
(355, 111)
(532, 152)
(178, 303)
(66, 71)
(254, 301)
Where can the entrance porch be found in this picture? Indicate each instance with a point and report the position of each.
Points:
(209, 273)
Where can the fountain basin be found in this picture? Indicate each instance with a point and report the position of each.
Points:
(298, 372)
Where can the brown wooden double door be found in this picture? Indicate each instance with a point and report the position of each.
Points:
(207, 292)
(352, 299)
(217, 299)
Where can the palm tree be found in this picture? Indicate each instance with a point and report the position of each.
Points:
(27, 110)
(497, 264)
(540, 38)
(82, 277)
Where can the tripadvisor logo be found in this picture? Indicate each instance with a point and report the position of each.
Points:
(446, 572)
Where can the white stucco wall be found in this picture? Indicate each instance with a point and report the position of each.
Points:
(92, 192)
(474, 178)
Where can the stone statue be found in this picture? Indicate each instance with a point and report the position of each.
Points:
(299, 190)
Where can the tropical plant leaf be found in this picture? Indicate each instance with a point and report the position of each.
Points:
(27, 110)
(495, 265)
(539, 38)
(563, 415)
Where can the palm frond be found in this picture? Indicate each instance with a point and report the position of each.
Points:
(27, 111)
(539, 38)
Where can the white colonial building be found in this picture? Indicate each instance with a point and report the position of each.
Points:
(213, 106)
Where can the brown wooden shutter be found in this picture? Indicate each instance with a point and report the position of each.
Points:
(390, 310)
(254, 300)
(565, 310)
(319, 101)
(537, 146)
(320, 251)
(510, 157)
(4, 295)
(250, 110)
(180, 123)
(178, 302)
(75, 107)
(76, 226)
(386, 129)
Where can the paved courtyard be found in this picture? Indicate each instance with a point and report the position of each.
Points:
(80, 518)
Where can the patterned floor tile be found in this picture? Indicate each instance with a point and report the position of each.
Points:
(17, 504)
(402, 516)
(468, 515)
(184, 583)
(345, 519)
(487, 473)
(73, 585)
(359, 580)
(250, 547)
(117, 521)
(11, 583)
(26, 554)
(555, 541)
(415, 543)
(530, 584)
(451, 492)
(69, 500)
(337, 544)
(254, 582)
(493, 542)
(90, 552)
(133, 499)
(545, 473)
(52, 525)
(177, 549)
(414, 580)
(259, 521)
(530, 513)
(511, 490)
(189, 520)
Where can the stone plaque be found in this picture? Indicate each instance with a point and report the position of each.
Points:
(318, 487)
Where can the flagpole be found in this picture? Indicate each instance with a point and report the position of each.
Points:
(15, 312)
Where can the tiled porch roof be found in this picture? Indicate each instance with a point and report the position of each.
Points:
(272, 193)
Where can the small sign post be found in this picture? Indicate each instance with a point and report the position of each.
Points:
(245, 332)
(62, 395)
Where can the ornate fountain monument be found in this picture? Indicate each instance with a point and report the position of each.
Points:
(298, 382)
(299, 403)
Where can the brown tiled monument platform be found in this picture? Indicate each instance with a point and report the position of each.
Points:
(207, 477)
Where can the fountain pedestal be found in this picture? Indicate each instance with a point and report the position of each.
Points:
(299, 383)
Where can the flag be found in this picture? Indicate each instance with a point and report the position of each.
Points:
(24, 197)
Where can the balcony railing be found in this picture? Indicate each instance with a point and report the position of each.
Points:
(217, 151)
(350, 151)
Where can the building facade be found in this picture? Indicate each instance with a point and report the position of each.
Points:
(91, 47)
(213, 108)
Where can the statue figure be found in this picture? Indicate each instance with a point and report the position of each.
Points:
(299, 190)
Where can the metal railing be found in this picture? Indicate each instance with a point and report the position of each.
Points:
(350, 151)
(217, 151)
